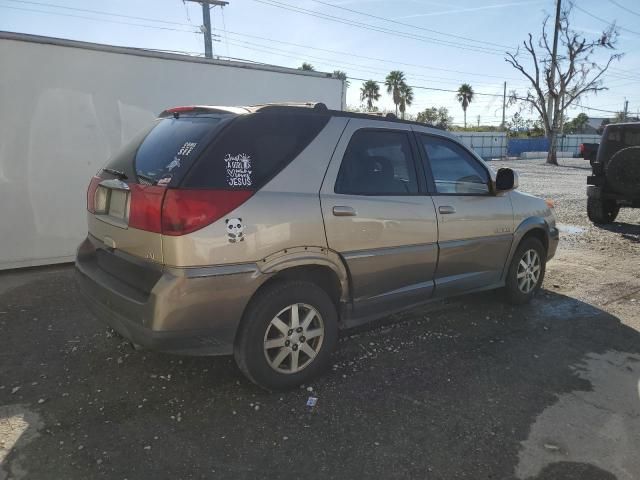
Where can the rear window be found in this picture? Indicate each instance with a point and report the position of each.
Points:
(253, 149)
(170, 147)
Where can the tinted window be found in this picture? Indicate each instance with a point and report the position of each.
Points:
(169, 149)
(123, 158)
(616, 138)
(454, 169)
(377, 162)
(253, 148)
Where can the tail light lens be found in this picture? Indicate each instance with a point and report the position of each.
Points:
(145, 207)
(173, 212)
(91, 194)
(582, 148)
(185, 211)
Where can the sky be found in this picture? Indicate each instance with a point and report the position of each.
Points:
(438, 44)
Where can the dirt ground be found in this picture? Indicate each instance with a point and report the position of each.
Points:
(470, 388)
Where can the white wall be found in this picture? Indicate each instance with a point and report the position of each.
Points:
(64, 111)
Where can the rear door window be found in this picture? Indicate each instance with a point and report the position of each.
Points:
(253, 149)
(378, 162)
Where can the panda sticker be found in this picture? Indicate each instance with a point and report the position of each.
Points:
(235, 230)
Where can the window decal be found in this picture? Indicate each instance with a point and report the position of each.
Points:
(238, 170)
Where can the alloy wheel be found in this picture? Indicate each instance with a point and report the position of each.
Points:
(529, 269)
(293, 338)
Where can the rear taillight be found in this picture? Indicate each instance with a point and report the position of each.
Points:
(145, 207)
(172, 212)
(582, 148)
(185, 211)
(91, 194)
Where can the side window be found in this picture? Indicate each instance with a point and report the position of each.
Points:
(454, 170)
(377, 162)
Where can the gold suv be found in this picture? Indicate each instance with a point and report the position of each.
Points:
(261, 231)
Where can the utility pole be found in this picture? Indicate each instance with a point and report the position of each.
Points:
(504, 106)
(206, 22)
(478, 121)
(626, 109)
(554, 56)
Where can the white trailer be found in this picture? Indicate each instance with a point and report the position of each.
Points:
(67, 106)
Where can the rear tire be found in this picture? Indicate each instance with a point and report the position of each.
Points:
(272, 349)
(602, 212)
(526, 271)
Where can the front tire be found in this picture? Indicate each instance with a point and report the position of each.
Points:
(602, 212)
(287, 335)
(526, 271)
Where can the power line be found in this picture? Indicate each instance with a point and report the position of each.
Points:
(422, 87)
(410, 25)
(86, 10)
(329, 62)
(597, 109)
(366, 26)
(350, 66)
(190, 25)
(97, 19)
(354, 55)
(624, 8)
(603, 20)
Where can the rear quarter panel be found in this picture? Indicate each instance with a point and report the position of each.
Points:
(283, 214)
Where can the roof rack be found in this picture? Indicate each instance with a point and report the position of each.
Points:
(310, 107)
(264, 106)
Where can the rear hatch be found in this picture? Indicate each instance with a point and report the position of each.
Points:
(125, 199)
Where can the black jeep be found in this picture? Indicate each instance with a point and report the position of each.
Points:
(615, 181)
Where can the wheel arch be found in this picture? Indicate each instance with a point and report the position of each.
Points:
(319, 265)
(535, 227)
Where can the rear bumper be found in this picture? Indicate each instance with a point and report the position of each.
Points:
(190, 311)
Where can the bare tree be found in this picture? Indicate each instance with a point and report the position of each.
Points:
(577, 74)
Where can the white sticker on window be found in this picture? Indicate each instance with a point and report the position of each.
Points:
(173, 164)
(238, 170)
(186, 149)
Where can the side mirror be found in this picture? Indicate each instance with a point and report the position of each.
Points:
(506, 180)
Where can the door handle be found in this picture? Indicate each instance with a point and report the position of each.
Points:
(343, 211)
(446, 209)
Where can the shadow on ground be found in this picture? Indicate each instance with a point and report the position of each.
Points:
(460, 392)
(626, 230)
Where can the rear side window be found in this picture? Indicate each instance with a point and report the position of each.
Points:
(169, 149)
(254, 148)
(377, 162)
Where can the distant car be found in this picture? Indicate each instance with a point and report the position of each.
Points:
(615, 181)
(260, 231)
(589, 151)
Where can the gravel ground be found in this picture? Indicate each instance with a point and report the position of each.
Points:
(469, 388)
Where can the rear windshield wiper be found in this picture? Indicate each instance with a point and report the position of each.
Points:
(118, 173)
(150, 180)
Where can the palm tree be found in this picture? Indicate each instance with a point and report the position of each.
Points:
(465, 96)
(340, 75)
(394, 81)
(406, 98)
(370, 92)
(306, 66)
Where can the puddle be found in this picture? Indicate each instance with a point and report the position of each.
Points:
(570, 229)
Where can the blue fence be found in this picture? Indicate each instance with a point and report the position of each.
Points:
(518, 145)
